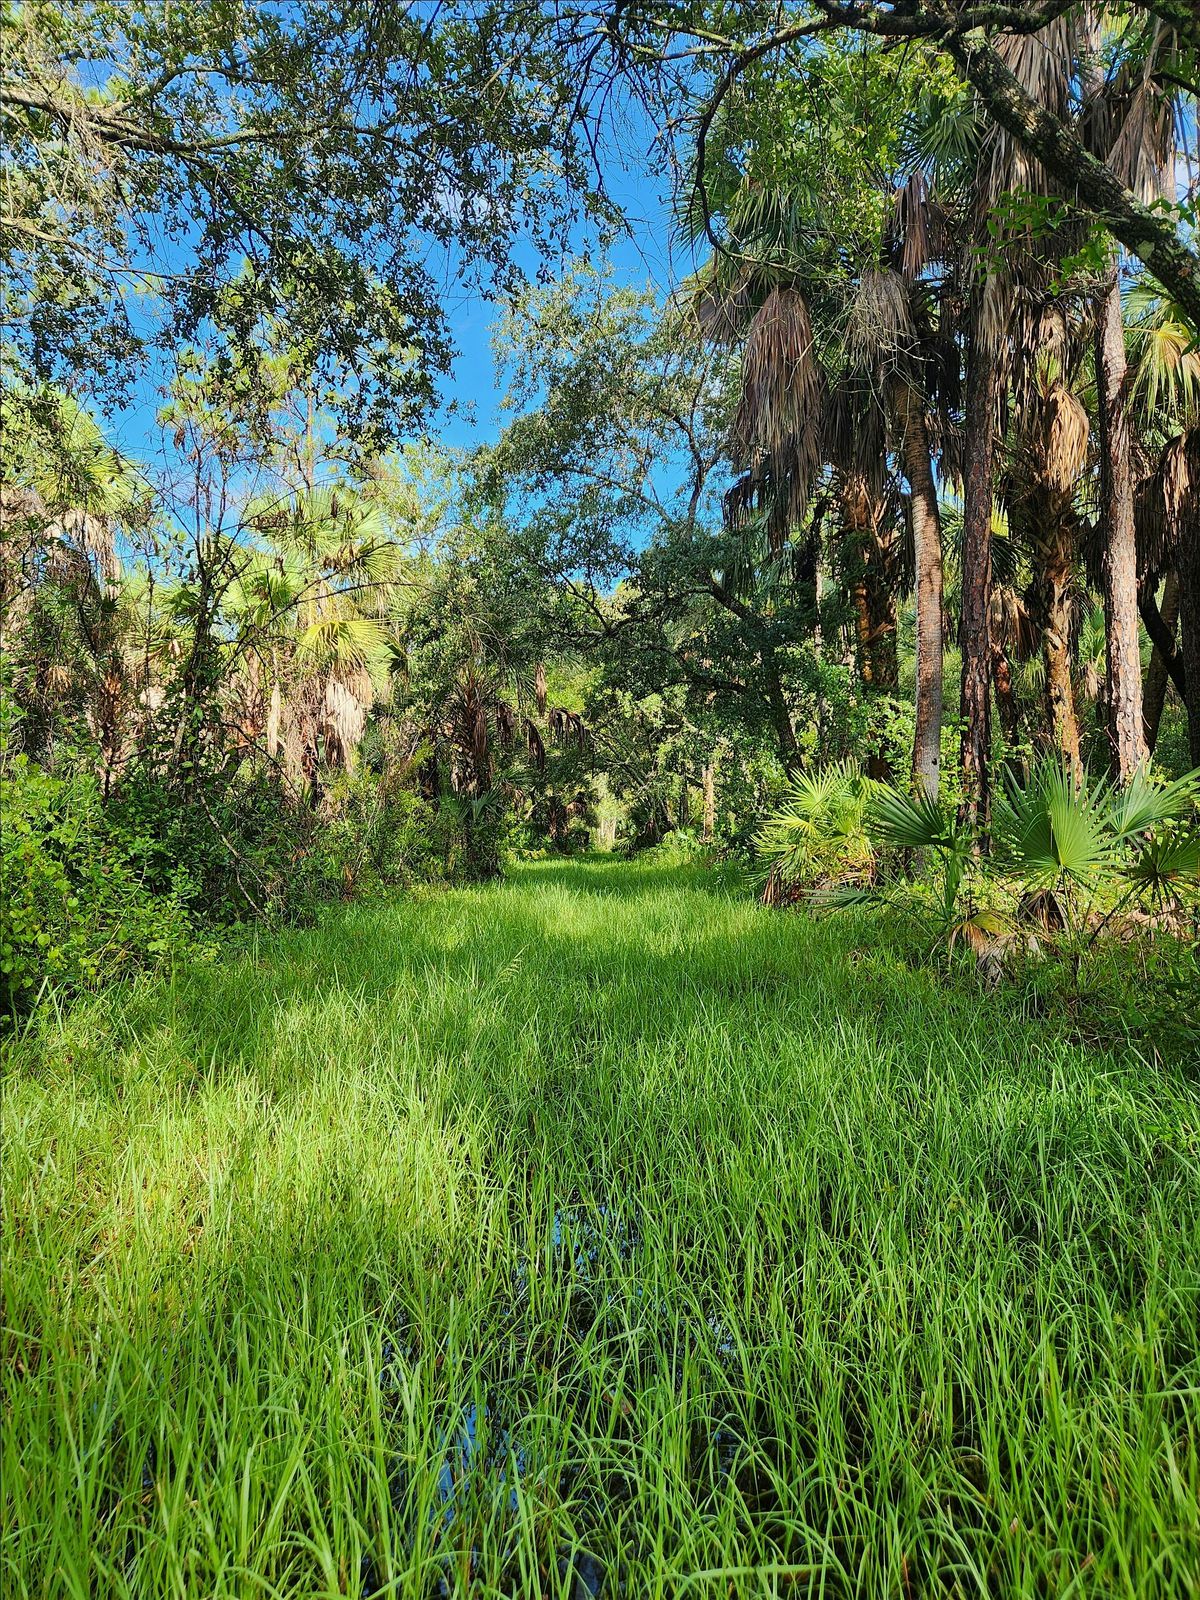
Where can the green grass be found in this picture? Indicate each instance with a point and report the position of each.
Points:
(770, 1261)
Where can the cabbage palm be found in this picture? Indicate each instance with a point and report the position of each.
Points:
(312, 603)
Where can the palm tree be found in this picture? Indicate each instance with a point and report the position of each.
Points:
(63, 592)
(1164, 397)
(312, 647)
(1047, 455)
(883, 338)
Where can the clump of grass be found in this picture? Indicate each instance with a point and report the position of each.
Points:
(593, 1229)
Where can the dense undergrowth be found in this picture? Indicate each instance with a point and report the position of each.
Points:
(599, 1230)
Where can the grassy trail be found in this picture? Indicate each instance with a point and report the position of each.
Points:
(594, 1232)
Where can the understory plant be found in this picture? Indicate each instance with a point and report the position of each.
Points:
(817, 838)
(1068, 858)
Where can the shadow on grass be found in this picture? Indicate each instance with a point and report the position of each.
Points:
(565, 965)
(623, 877)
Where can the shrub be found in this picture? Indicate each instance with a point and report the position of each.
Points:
(817, 837)
(79, 907)
(1077, 860)
(379, 835)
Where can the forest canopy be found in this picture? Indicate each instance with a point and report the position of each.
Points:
(896, 467)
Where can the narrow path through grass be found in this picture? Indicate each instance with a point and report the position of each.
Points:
(594, 1232)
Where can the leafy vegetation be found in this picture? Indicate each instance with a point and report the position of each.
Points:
(610, 1006)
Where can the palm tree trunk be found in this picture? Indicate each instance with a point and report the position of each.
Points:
(1056, 652)
(871, 592)
(1189, 627)
(1154, 690)
(977, 585)
(927, 540)
(1120, 544)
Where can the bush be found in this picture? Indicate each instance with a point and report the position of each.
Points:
(378, 835)
(818, 836)
(80, 904)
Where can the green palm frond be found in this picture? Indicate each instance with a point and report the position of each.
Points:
(1166, 864)
(347, 642)
(818, 826)
(1164, 356)
(912, 822)
(1144, 803)
(1052, 830)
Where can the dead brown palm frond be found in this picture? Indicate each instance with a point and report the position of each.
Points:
(721, 315)
(1012, 624)
(1056, 441)
(566, 727)
(777, 426)
(881, 328)
(1043, 63)
(1179, 472)
(343, 724)
(535, 745)
(505, 719)
(1142, 152)
(93, 535)
(856, 430)
(1167, 505)
(21, 510)
(474, 725)
(994, 326)
(919, 230)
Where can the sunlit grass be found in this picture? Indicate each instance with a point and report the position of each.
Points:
(733, 1252)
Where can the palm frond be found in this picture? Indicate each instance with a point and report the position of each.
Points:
(343, 641)
(1052, 829)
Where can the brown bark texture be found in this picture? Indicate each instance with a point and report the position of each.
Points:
(927, 540)
(1123, 657)
(1158, 673)
(976, 700)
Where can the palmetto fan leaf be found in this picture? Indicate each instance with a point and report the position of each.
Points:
(1144, 804)
(1166, 864)
(818, 824)
(912, 822)
(1052, 830)
(343, 642)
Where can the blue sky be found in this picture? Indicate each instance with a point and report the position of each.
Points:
(641, 256)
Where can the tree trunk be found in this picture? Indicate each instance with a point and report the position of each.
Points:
(1006, 698)
(1189, 625)
(710, 800)
(789, 750)
(1056, 652)
(976, 701)
(871, 591)
(927, 541)
(1123, 658)
(1154, 691)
